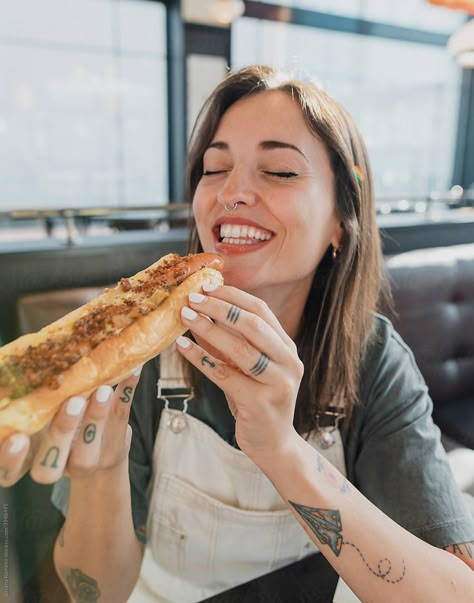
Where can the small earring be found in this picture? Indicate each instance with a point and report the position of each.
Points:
(335, 252)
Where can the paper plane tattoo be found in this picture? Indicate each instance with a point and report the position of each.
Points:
(325, 523)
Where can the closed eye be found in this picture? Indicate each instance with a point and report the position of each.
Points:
(212, 172)
(281, 174)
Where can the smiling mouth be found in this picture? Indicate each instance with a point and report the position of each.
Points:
(242, 234)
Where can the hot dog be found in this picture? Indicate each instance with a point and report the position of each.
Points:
(101, 342)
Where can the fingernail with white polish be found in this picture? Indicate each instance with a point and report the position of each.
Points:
(17, 443)
(208, 287)
(103, 393)
(197, 298)
(183, 342)
(188, 313)
(75, 406)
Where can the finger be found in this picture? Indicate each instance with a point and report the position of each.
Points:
(249, 303)
(236, 350)
(116, 433)
(86, 446)
(215, 370)
(250, 326)
(13, 454)
(50, 460)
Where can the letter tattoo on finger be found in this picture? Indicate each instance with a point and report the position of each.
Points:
(54, 452)
(206, 360)
(260, 365)
(233, 315)
(127, 394)
(89, 433)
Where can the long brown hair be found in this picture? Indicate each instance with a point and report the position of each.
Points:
(338, 317)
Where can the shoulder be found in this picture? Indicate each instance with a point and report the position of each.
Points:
(386, 344)
(391, 385)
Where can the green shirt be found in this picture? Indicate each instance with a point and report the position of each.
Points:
(393, 451)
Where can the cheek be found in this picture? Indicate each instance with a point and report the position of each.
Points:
(200, 207)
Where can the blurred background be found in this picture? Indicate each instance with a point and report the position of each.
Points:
(97, 98)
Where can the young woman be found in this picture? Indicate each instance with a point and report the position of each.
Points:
(308, 426)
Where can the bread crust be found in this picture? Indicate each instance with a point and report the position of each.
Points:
(110, 362)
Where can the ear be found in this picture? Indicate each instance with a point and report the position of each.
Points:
(338, 234)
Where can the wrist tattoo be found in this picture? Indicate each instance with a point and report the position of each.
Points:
(326, 524)
(83, 588)
(332, 476)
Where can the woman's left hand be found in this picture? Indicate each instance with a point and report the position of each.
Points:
(244, 350)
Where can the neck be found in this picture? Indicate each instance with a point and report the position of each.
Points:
(287, 305)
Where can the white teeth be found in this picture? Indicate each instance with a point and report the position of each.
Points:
(238, 241)
(235, 233)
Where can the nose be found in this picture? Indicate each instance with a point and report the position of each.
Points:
(238, 188)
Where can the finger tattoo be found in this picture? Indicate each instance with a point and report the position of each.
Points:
(260, 365)
(233, 315)
(205, 360)
(54, 452)
(127, 394)
(89, 433)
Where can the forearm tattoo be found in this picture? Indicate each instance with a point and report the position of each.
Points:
(332, 476)
(326, 524)
(83, 588)
(464, 549)
(260, 365)
(233, 315)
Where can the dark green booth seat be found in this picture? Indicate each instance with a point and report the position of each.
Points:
(434, 312)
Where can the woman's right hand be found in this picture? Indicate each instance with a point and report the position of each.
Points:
(84, 437)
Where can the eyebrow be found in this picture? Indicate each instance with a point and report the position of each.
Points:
(266, 145)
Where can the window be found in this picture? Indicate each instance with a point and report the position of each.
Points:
(82, 103)
(416, 14)
(403, 95)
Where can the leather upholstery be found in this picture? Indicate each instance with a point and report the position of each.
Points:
(433, 292)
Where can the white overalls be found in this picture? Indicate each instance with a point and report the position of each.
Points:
(215, 520)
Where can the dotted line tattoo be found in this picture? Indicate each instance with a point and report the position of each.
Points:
(381, 573)
(327, 526)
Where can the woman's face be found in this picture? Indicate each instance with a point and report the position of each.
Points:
(264, 158)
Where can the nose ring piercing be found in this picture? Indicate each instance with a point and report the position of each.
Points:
(222, 202)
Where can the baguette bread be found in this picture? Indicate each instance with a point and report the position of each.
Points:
(101, 342)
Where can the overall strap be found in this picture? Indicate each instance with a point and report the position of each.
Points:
(172, 383)
(171, 369)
